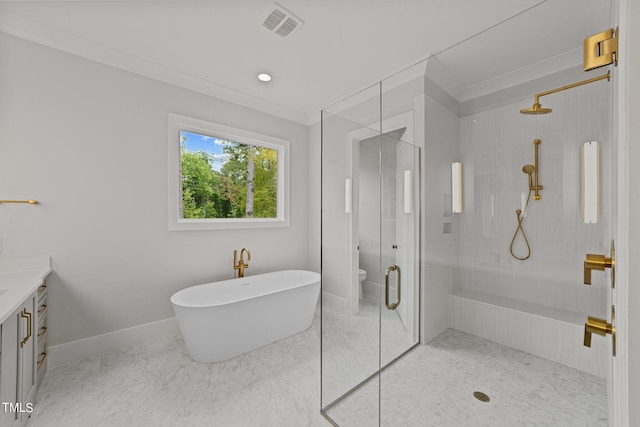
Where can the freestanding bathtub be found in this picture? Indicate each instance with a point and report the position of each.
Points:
(222, 320)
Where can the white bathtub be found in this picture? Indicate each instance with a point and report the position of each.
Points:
(222, 320)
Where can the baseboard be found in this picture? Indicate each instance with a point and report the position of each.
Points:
(334, 301)
(64, 354)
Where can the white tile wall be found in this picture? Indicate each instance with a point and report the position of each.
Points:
(494, 145)
(531, 328)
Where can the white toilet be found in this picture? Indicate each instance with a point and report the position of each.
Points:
(362, 276)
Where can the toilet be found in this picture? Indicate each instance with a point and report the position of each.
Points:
(362, 275)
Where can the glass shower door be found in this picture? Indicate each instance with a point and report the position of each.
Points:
(399, 259)
(399, 245)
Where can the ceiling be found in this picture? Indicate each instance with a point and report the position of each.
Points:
(219, 46)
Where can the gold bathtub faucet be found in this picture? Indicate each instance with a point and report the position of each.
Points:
(240, 265)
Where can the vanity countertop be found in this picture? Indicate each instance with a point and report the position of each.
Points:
(19, 278)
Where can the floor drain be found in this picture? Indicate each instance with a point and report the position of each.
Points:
(481, 396)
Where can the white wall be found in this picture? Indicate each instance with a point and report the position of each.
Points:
(90, 143)
(633, 139)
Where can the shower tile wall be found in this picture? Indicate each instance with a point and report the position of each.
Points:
(494, 146)
(441, 250)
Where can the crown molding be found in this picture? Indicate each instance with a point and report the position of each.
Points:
(70, 43)
(548, 66)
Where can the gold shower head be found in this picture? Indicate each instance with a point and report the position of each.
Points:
(536, 109)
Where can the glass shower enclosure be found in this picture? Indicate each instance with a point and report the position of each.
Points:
(446, 288)
(371, 240)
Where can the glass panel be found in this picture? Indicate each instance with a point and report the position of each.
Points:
(503, 315)
(351, 242)
(402, 118)
(499, 308)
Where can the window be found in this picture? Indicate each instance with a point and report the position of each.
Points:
(221, 177)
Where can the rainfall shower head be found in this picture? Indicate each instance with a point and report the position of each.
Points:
(536, 109)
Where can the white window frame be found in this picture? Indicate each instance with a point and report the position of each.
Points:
(179, 123)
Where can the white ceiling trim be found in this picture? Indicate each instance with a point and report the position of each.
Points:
(62, 40)
(548, 66)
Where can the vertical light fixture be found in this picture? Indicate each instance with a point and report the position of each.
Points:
(408, 191)
(590, 182)
(347, 196)
(456, 187)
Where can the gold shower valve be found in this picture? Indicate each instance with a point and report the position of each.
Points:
(600, 262)
(596, 262)
(600, 327)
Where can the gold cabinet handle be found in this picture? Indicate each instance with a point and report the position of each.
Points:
(391, 268)
(42, 308)
(41, 288)
(600, 327)
(26, 315)
(43, 331)
(41, 358)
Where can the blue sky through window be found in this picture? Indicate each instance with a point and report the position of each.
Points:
(209, 144)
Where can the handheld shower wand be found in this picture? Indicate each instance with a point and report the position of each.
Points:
(529, 169)
(520, 213)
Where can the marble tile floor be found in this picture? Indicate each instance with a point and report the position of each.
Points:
(433, 385)
(351, 343)
(157, 384)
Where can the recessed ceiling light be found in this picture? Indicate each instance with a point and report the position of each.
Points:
(264, 77)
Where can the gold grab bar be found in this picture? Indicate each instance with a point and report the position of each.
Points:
(391, 268)
(26, 315)
(31, 202)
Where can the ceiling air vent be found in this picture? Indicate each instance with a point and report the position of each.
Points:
(280, 21)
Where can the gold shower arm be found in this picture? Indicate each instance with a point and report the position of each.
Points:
(571, 86)
(31, 202)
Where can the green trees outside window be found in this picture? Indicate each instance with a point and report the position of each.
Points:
(227, 179)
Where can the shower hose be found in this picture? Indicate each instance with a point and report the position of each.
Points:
(520, 216)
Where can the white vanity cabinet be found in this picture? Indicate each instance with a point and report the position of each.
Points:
(18, 380)
(9, 370)
(23, 336)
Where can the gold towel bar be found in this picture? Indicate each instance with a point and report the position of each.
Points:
(31, 202)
